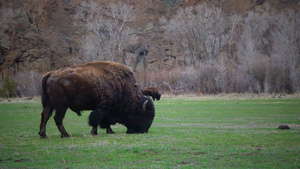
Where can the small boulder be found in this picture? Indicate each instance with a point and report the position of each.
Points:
(284, 127)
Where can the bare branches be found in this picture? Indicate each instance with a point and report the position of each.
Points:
(200, 32)
(121, 14)
(271, 64)
(286, 47)
(107, 31)
(7, 16)
(267, 44)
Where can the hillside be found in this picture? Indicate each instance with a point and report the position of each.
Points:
(45, 35)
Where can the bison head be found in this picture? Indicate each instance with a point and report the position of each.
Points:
(157, 96)
(141, 120)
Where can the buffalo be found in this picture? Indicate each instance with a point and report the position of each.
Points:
(152, 91)
(109, 89)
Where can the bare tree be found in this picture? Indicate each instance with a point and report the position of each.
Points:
(251, 51)
(200, 32)
(271, 64)
(233, 21)
(286, 46)
(6, 15)
(254, 27)
(107, 31)
(177, 29)
(211, 28)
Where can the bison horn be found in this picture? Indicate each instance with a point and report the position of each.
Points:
(145, 105)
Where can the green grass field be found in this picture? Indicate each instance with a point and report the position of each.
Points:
(188, 132)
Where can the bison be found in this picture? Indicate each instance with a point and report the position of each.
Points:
(109, 89)
(151, 91)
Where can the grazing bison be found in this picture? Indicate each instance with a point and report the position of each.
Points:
(151, 91)
(107, 88)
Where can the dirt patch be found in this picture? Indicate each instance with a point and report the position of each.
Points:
(17, 161)
(198, 153)
(153, 151)
(253, 154)
(20, 160)
(184, 163)
(8, 159)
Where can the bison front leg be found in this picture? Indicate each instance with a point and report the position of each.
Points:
(105, 124)
(94, 131)
(47, 112)
(95, 119)
(59, 116)
(109, 130)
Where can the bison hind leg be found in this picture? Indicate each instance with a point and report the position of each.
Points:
(47, 112)
(58, 118)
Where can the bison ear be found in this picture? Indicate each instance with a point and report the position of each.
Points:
(144, 105)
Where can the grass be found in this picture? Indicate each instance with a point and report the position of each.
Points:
(188, 132)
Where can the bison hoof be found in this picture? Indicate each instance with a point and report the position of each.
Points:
(94, 131)
(65, 135)
(94, 134)
(111, 132)
(43, 135)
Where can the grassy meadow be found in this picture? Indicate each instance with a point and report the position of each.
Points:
(187, 132)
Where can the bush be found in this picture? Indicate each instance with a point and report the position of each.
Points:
(208, 78)
(9, 88)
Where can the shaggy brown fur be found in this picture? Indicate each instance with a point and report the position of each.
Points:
(152, 91)
(107, 88)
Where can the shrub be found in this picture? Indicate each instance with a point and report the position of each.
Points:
(9, 88)
(208, 78)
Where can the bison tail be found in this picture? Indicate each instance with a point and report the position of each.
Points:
(45, 97)
(95, 117)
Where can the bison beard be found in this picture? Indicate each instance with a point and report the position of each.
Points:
(107, 88)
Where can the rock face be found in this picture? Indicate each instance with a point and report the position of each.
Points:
(40, 38)
(41, 35)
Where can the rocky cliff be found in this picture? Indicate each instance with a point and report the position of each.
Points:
(40, 35)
